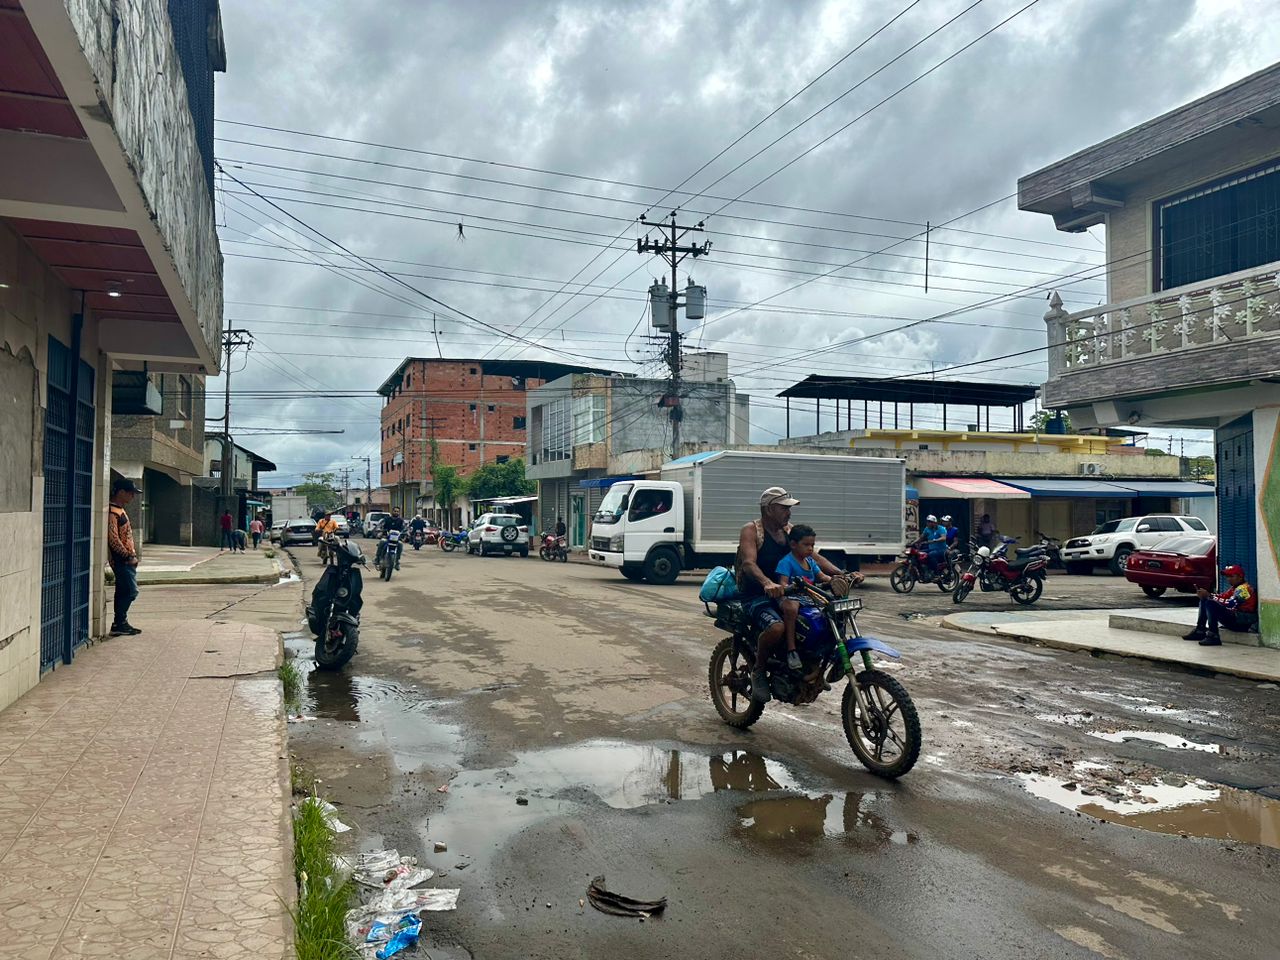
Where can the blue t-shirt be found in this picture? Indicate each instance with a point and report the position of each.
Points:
(790, 567)
(935, 545)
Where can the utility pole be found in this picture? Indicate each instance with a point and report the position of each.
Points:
(346, 487)
(368, 480)
(664, 303)
(231, 339)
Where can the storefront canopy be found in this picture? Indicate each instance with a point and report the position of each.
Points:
(1109, 489)
(1167, 488)
(968, 488)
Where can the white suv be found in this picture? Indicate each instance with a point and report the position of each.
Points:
(1112, 542)
(498, 533)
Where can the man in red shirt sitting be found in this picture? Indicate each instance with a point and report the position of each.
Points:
(1235, 608)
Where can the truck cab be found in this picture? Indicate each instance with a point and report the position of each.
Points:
(639, 529)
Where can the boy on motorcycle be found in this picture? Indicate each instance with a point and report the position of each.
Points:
(797, 565)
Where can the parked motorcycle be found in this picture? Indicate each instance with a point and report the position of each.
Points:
(1052, 547)
(554, 548)
(334, 612)
(1022, 578)
(916, 567)
(390, 561)
(880, 720)
(453, 541)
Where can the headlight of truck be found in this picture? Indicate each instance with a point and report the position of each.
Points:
(615, 544)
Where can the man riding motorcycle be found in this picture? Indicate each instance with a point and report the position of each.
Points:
(761, 545)
(393, 522)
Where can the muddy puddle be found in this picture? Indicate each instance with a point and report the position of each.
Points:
(850, 817)
(1193, 808)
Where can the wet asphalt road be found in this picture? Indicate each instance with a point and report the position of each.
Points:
(586, 696)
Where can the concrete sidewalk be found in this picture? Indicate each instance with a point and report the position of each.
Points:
(144, 799)
(208, 565)
(1093, 631)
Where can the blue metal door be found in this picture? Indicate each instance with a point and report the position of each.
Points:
(68, 506)
(1237, 497)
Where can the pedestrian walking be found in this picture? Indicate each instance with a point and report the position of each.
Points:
(255, 529)
(227, 525)
(122, 556)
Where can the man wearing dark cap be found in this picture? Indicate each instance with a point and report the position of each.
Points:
(1235, 608)
(123, 555)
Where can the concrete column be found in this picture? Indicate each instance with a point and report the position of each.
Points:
(99, 596)
(1055, 320)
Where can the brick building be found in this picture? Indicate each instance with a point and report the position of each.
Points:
(474, 409)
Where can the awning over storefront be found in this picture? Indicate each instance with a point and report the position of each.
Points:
(968, 488)
(1109, 489)
(1071, 488)
(1168, 488)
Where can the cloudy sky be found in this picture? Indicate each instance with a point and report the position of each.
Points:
(546, 129)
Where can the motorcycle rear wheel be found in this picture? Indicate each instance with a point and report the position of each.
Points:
(895, 724)
(737, 709)
(1027, 592)
(947, 579)
(335, 658)
(447, 546)
(902, 579)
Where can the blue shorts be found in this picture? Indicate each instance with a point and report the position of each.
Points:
(763, 612)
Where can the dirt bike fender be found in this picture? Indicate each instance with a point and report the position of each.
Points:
(871, 643)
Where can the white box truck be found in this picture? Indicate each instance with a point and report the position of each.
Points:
(691, 517)
(286, 508)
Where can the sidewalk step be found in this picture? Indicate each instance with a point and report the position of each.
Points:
(1175, 623)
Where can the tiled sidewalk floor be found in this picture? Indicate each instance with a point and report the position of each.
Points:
(144, 801)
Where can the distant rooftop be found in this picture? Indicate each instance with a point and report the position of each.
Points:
(526, 369)
(821, 387)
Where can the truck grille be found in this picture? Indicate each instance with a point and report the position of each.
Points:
(1079, 542)
(600, 543)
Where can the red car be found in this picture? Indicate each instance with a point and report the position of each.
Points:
(1182, 563)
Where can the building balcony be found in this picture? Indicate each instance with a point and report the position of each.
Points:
(1187, 356)
(104, 169)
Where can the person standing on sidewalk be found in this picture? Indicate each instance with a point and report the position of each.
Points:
(255, 528)
(123, 556)
(226, 522)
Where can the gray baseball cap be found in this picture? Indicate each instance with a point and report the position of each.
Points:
(777, 496)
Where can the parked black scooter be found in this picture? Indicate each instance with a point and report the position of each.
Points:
(334, 612)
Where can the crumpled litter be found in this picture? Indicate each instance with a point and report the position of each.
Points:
(330, 814)
(606, 901)
(383, 917)
(402, 936)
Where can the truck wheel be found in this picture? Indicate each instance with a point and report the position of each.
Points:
(633, 573)
(1120, 559)
(662, 566)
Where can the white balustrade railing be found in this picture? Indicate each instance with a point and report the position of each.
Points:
(1227, 309)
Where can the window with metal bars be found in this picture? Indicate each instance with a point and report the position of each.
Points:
(1219, 228)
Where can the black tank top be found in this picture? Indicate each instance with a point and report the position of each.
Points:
(768, 556)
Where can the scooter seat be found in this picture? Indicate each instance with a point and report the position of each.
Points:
(1028, 551)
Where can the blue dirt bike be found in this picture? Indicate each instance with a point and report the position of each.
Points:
(880, 720)
(453, 541)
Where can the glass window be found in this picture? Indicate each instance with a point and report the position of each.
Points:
(650, 503)
(1164, 524)
(1218, 229)
(1195, 523)
(517, 423)
(555, 431)
(588, 418)
(491, 408)
(1117, 526)
(614, 504)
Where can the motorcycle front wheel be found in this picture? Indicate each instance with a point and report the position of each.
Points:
(888, 741)
(333, 655)
(1027, 592)
(388, 566)
(730, 680)
(902, 579)
(961, 591)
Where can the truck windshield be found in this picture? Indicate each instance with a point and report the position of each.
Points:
(614, 504)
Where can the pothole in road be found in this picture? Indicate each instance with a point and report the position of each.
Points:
(1171, 740)
(1171, 805)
